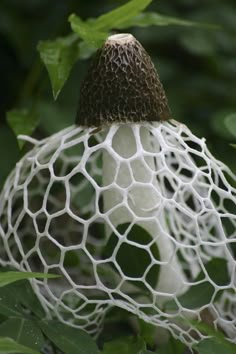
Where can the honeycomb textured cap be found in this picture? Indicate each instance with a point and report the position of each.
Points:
(122, 85)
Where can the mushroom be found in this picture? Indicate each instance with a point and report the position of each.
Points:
(122, 89)
(128, 205)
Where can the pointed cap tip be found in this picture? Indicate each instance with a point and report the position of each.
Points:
(120, 38)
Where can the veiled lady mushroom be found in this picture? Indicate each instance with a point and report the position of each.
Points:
(129, 206)
(123, 89)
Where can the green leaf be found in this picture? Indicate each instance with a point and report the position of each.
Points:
(125, 345)
(18, 296)
(9, 346)
(155, 19)
(213, 345)
(22, 122)
(9, 304)
(147, 331)
(19, 293)
(209, 346)
(68, 339)
(201, 294)
(86, 50)
(95, 31)
(10, 277)
(217, 339)
(230, 122)
(24, 331)
(173, 346)
(87, 32)
(120, 15)
(132, 259)
(25, 295)
(59, 57)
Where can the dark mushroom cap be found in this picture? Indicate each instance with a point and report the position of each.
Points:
(122, 85)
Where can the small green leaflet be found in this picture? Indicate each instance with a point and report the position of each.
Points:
(86, 50)
(125, 345)
(173, 346)
(10, 306)
(69, 340)
(122, 14)
(23, 295)
(155, 19)
(9, 346)
(24, 331)
(22, 121)
(216, 344)
(95, 31)
(59, 57)
(212, 346)
(10, 277)
(87, 32)
(18, 296)
(147, 331)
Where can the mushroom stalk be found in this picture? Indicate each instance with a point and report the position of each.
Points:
(129, 180)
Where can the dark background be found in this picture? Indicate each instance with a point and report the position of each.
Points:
(197, 66)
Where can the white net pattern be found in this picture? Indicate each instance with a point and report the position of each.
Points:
(61, 207)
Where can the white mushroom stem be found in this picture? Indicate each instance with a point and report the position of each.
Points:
(125, 193)
(122, 86)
